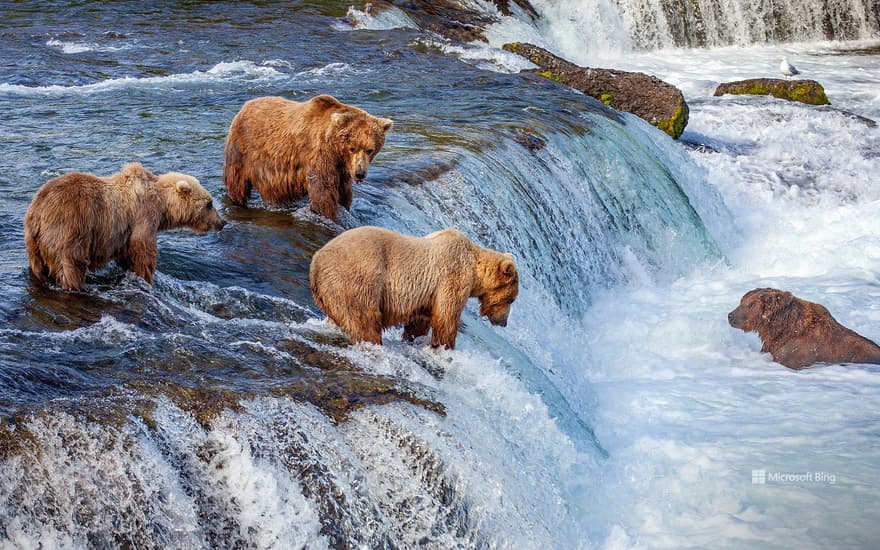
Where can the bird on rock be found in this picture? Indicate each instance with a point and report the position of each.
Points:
(787, 68)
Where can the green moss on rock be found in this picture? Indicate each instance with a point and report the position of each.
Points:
(674, 125)
(551, 75)
(803, 91)
(657, 102)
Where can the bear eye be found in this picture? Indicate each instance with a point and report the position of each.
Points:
(369, 151)
(352, 149)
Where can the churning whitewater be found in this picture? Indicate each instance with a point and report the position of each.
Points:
(618, 409)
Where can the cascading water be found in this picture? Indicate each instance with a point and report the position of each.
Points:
(216, 409)
(582, 30)
(664, 23)
(273, 472)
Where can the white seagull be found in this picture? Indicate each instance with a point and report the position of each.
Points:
(787, 68)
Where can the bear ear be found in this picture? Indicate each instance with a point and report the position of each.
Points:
(386, 124)
(507, 268)
(183, 187)
(340, 118)
(776, 301)
(326, 101)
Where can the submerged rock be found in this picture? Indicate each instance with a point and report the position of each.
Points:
(648, 97)
(530, 141)
(447, 18)
(804, 91)
(504, 7)
(453, 19)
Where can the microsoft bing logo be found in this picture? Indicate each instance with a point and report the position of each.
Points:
(763, 477)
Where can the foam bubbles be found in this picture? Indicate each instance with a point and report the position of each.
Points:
(387, 18)
(235, 71)
(75, 47)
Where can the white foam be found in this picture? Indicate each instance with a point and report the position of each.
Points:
(80, 47)
(487, 57)
(271, 508)
(106, 331)
(244, 71)
(330, 71)
(386, 18)
(86, 484)
(687, 406)
(522, 506)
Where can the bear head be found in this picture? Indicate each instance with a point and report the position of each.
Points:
(360, 136)
(760, 309)
(187, 204)
(499, 286)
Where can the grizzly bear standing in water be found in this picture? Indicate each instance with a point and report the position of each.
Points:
(798, 333)
(78, 221)
(287, 150)
(369, 278)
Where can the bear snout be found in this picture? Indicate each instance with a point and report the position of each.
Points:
(499, 320)
(215, 224)
(736, 319)
(360, 175)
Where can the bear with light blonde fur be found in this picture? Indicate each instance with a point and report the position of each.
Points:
(368, 279)
(287, 150)
(79, 222)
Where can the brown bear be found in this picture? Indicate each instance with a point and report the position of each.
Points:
(369, 278)
(287, 150)
(77, 222)
(798, 333)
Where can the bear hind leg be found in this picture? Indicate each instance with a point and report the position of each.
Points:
(38, 265)
(363, 318)
(238, 185)
(72, 273)
(366, 328)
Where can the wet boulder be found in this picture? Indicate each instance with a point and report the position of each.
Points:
(804, 91)
(646, 96)
(454, 19)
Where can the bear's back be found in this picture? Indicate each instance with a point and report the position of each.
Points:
(399, 257)
(78, 207)
(286, 115)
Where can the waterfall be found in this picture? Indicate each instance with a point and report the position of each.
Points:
(391, 447)
(599, 26)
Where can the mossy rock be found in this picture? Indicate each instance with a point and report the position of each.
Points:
(645, 96)
(803, 91)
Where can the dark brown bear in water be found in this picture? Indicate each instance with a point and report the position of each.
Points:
(77, 222)
(288, 149)
(369, 278)
(798, 333)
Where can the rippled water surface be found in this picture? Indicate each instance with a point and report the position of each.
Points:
(218, 408)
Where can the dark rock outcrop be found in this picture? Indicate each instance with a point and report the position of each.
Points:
(453, 19)
(504, 7)
(645, 96)
(805, 91)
